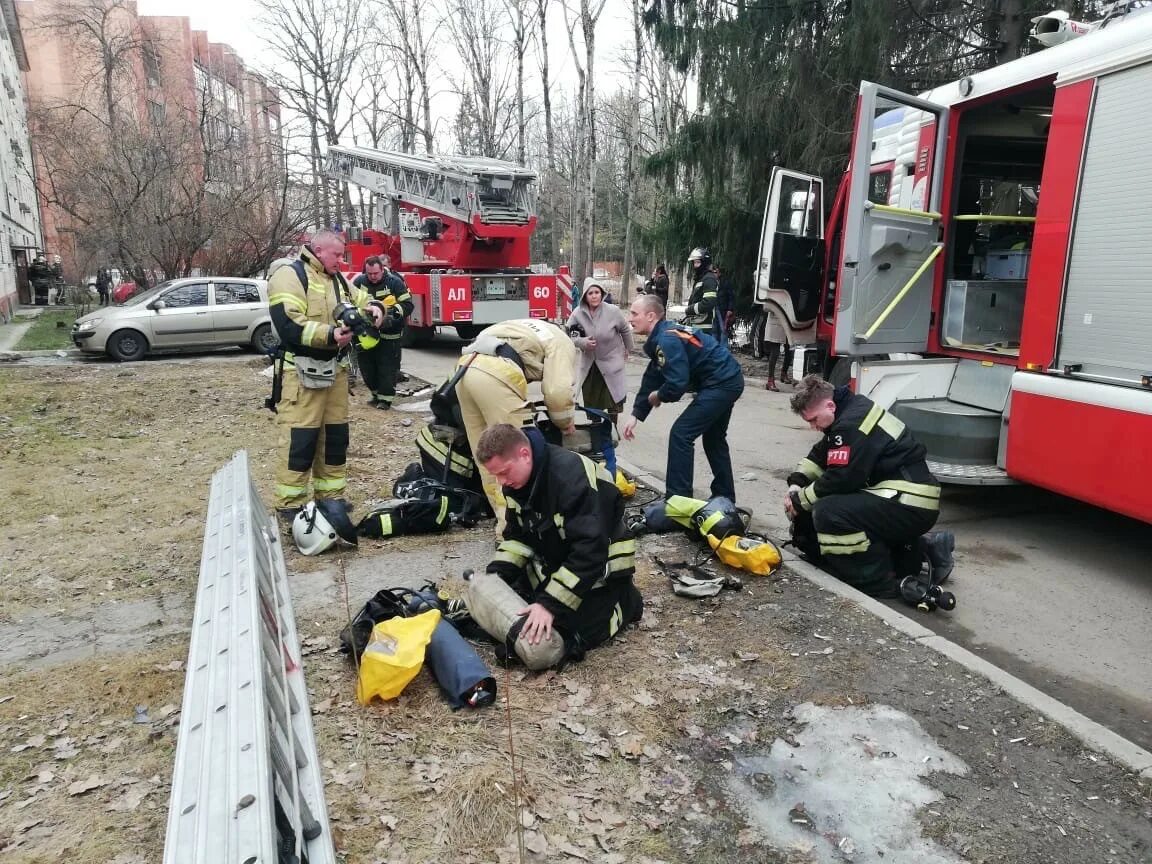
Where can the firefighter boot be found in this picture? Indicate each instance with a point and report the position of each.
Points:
(937, 547)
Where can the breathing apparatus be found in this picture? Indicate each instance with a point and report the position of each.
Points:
(367, 336)
(720, 523)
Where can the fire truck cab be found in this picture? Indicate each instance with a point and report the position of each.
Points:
(986, 268)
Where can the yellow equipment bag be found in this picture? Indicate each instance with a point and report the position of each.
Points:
(394, 655)
(627, 487)
(746, 553)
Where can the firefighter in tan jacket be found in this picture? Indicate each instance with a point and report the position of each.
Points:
(312, 415)
(501, 363)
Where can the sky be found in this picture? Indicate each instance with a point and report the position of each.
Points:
(234, 22)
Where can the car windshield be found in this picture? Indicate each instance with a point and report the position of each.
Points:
(146, 296)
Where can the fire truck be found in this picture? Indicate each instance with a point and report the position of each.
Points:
(457, 228)
(985, 271)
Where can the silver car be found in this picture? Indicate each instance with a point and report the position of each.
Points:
(189, 314)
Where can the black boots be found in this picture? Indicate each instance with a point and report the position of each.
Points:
(937, 547)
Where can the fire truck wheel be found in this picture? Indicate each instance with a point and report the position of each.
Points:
(841, 372)
(415, 337)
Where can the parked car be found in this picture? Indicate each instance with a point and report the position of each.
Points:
(181, 314)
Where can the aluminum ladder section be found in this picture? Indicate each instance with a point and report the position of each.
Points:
(454, 185)
(246, 785)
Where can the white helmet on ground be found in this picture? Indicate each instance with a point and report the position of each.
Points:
(320, 525)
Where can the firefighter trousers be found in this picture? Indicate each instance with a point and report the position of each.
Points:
(706, 418)
(313, 440)
(865, 540)
(380, 366)
(491, 391)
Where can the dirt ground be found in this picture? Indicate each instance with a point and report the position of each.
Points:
(630, 756)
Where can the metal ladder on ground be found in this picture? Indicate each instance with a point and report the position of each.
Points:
(458, 186)
(246, 786)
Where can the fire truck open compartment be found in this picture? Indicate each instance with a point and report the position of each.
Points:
(1000, 148)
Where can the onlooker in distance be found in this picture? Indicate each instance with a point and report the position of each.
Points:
(601, 332)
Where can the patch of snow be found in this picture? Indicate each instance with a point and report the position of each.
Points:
(854, 779)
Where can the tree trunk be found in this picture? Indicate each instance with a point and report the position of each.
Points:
(549, 133)
(629, 267)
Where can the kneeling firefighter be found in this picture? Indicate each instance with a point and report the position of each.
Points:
(561, 581)
(493, 387)
(863, 499)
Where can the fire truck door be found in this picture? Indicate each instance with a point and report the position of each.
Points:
(791, 263)
(891, 229)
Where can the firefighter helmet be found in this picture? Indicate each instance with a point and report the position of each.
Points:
(700, 257)
(320, 525)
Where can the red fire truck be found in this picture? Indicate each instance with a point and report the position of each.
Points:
(986, 269)
(458, 229)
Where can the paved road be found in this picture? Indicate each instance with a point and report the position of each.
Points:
(1054, 592)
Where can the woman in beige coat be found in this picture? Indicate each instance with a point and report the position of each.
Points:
(601, 332)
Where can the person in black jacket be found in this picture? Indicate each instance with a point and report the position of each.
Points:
(658, 284)
(863, 498)
(565, 548)
(380, 365)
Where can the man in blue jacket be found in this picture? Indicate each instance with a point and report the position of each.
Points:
(682, 360)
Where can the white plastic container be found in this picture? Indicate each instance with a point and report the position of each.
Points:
(1011, 264)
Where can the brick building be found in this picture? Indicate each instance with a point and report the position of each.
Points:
(19, 213)
(168, 77)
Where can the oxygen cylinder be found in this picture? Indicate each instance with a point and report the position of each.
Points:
(495, 606)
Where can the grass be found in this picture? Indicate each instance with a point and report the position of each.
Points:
(49, 331)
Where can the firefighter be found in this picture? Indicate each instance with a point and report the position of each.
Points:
(493, 389)
(702, 300)
(865, 492)
(565, 549)
(381, 365)
(312, 416)
(682, 359)
(41, 277)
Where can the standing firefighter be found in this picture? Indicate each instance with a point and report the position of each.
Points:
(502, 361)
(683, 360)
(316, 314)
(702, 301)
(380, 365)
(866, 493)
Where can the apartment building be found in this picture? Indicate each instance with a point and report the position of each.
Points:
(19, 213)
(170, 79)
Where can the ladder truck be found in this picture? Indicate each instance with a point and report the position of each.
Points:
(457, 228)
(985, 272)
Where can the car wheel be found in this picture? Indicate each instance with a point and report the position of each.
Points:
(264, 339)
(127, 345)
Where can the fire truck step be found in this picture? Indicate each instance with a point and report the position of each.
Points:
(970, 475)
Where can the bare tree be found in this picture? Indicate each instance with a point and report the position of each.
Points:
(487, 89)
(583, 251)
(149, 190)
(521, 17)
(319, 42)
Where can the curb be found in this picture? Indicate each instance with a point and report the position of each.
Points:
(1093, 734)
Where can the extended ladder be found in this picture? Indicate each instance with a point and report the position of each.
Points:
(246, 785)
(499, 192)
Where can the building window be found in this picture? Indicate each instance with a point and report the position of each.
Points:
(202, 80)
(151, 66)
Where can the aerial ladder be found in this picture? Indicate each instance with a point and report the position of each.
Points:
(459, 230)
